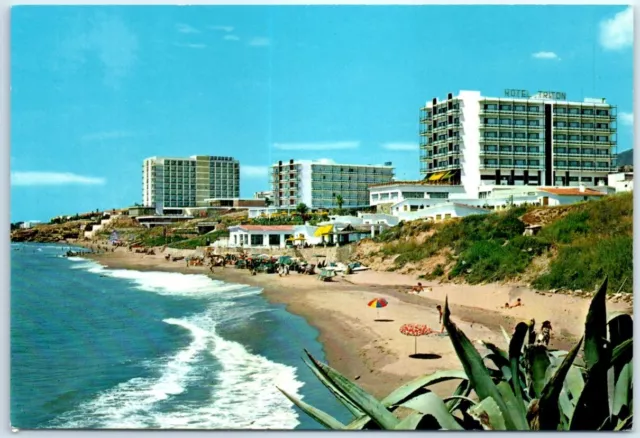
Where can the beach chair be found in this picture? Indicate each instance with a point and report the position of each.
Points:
(326, 275)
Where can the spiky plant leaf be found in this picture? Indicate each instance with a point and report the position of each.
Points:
(549, 408)
(622, 353)
(620, 331)
(623, 391)
(359, 397)
(410, 422)
(515, 407)
(590, 410)
(334, 390)
(409, 390)
(515, 349)
(462, 391)
(488, 414)
(431, 404)
(539, 362)
(506, 335)
(321, 417)
(474, 366)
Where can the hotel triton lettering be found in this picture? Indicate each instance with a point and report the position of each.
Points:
(524, 94)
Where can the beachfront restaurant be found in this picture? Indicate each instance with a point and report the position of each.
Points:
(260, 236)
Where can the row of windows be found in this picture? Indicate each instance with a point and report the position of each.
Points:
(586, 151)
(529, 135)
(511, 122)
(584, 125)
(508, 162)
(508, 107)
(574, 163)
(409, 195)
(359, 170)
(583, 111)
(599, 138)
(519, 148)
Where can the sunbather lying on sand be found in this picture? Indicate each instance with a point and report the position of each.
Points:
(518, 303)
(417, 288)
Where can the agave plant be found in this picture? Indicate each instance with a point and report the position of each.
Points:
(527, 388)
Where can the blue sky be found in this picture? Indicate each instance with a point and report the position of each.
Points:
(95, 90)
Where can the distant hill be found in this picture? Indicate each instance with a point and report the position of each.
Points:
(625, 158)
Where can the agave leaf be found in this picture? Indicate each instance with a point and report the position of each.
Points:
(495, 349)
(590, 409)
(566, 407)
(359, 397)
(359, 423)
(410, 422)
(620, 331)
(334, 390)
(549, 405)
(574, 384)
(627, 423)
(406, 391)
(474, 366)
(515, 349)
(431, 404)
(517, 409)
(623, 391)
(622, 351)
(488, 414)
(459, 397)
(506, 335)
(540, 362)
(321, 417)
(462, 391)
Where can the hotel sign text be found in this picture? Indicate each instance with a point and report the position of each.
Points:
(524, 94)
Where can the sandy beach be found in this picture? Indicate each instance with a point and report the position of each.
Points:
(365, 344)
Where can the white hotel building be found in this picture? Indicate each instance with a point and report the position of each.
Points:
(317, 184)
(540, 140)
(480, 150)
(188, 182)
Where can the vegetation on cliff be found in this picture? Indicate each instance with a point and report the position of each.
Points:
(576, 245)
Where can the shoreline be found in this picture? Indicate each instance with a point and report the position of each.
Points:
(374, 352)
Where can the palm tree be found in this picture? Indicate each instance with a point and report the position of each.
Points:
(302, 208)
(267, 202)
(340, 202)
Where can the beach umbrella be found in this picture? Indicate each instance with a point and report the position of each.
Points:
(377, 303)
(415, 330)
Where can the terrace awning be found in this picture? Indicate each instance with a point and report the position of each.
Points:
(323, 230)
(436, 176)
(448, 175)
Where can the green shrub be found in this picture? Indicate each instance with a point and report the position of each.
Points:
(200, 240)
(488, 261)
(580, 266)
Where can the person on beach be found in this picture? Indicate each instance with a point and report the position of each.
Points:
(518, 303)
(417, 288)
(439, 307)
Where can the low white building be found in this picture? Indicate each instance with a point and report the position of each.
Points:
(29, 224)
(621, 182)
(260, 236)
(441, 212)
(378, 218)
(386, 196)
(566, 196)
(255, 212)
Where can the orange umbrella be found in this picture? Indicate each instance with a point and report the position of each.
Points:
(415, 330)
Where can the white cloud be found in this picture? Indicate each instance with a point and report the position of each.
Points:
(231, 38)
(52, 179)
(254, 171)
(545, 55)
(400, 146)
(626, 118)
(325, 161)
(222, 28)
(616, 33)
(259, 42)
(337, 145)
(106, 135)
(185, 28)
(192, 45)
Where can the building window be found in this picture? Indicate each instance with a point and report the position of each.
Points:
(587, 125)
(413, 195)
(574, 138)
(533, 149)
(491, 134)
(438, 195)
(560, 124)
(519, 122)
(587, 112)
(520, 149)
(375, 196)
(505, 121)
(587, 138)
(520, 162)
(505, 135)
(505, 162)
(534, 109)
(505, 148)
(560, 110)
(274, 240)
(490, 106)
(534, 162)
(505, 107)
(257, 239)
(533, 136)
(491, 121)
(518, 135)
(491, 148)
(602, 112)
(602, 138)
(574, 111)
(519, 108)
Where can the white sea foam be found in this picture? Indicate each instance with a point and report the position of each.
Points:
(244, 395)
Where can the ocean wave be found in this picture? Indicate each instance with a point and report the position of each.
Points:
(244, 396)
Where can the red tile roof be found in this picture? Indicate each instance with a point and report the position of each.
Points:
(573, 192)
(266, 227)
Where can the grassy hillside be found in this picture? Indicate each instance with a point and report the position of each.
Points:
(576, 247)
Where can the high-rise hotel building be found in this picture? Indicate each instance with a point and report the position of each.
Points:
(187, 182)
(317, 184)
(517, 139)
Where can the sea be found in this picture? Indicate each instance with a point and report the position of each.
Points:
(122, 349)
